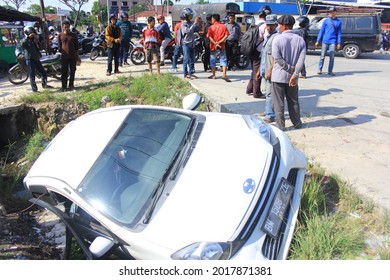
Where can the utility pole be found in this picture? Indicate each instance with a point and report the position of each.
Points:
(45, 31)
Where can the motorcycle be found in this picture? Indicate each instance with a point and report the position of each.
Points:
(99, 47)
(242, 61)
(18, 74)
(85, 43)
(137, 55)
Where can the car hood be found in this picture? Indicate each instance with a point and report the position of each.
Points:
(211, 200)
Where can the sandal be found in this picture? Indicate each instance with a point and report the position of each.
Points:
(226, 79)
(211, 77)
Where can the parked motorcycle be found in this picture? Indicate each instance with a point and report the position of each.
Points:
(85, 43)
(242, 61)
(18, 74)
(99, 47)
(137, 55)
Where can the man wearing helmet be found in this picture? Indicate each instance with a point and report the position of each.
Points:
(165, 35)
(29, 45)
(113, 38)
(127, 33)
(187, 29)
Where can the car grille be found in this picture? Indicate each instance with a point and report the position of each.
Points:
(253, 220)
(271, 246)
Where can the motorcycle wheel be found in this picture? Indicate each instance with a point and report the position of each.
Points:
(243, 62)
(17, 75)
(137, 57)
(94, 54)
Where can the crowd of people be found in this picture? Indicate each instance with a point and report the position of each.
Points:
(277, 59)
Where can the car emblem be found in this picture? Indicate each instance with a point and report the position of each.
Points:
(249, 186)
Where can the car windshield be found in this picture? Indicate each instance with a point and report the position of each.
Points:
(122, 181)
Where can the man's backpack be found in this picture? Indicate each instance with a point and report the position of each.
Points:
(248, 40)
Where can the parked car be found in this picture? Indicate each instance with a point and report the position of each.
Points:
(137, 28)
(360, 33)
(145, 182)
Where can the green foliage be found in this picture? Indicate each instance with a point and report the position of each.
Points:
(34, 146)
(328, 238)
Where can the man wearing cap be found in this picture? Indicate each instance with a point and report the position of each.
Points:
(266, 65)
(165, 34)
(288, 52)
(330, 35)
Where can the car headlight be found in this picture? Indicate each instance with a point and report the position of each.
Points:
(262, 128)
(204, 251)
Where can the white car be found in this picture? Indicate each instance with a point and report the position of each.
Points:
(144, 182)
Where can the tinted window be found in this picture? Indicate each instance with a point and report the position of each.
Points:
(363, 23)
(123, 179)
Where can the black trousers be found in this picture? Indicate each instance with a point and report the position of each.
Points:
(68, 68)
(279, 92)
(231, 53)
(113, 53)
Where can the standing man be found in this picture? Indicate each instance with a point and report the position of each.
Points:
(69, 48)
(187, 30)
(127, 33)
(266, 65)
(32, 55)
(330, 35)
(206, 44)
(288, 52)
(218, 33)
(178, 50)
(253, 86)
(113, 39)
(232, 41)
(165, 35)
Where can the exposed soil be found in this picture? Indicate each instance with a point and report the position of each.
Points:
(26, 231)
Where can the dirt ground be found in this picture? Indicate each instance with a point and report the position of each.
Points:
(88, 72)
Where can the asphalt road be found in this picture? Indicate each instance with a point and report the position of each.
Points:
(346, 118)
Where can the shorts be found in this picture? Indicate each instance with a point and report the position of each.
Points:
(152, 55)
(222, 58)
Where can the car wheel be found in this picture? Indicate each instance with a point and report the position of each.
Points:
(351, 51)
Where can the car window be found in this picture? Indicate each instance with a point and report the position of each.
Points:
(364, 23)
(122, 180)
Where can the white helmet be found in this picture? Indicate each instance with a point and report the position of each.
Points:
(51, 29)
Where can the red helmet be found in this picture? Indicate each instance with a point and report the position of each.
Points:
(160, 17)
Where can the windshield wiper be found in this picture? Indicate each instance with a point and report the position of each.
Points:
(175, 162)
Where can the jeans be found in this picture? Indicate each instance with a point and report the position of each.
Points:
(324, 48)
(266, 89)
(33, 65)
(124, 51)
(188, 60)
(176, 54)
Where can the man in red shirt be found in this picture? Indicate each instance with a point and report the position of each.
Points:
(218, 34)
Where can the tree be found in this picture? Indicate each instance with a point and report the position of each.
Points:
(301, 4)
(16, 3)
(35, 9)
(75, 6)
(99, 12)
(200, 2)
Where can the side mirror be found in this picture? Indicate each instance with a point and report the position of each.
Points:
(191, 101)
(100, 246)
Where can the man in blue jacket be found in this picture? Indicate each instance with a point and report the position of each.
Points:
(127, 33)
(330, 35)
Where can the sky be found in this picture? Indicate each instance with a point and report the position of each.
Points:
(87, 7)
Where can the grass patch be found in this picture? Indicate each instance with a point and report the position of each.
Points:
(335, 221)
